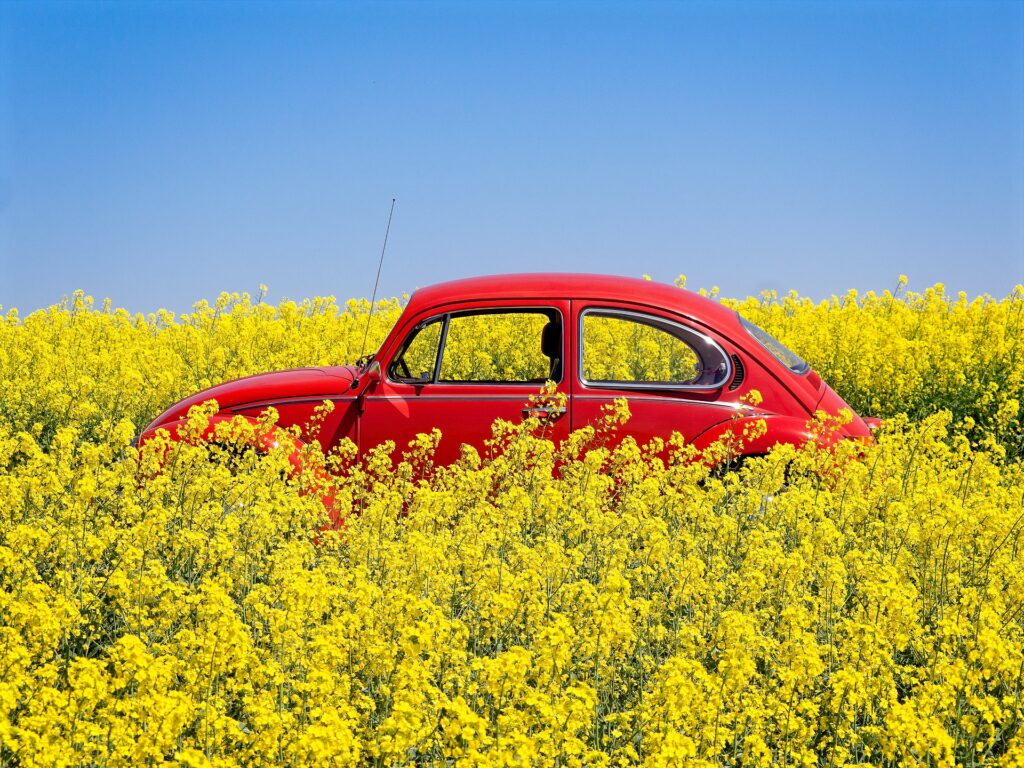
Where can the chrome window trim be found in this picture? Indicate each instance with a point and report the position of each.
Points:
(639, 398)
(440, 348)
(445, 317)
(644, 319)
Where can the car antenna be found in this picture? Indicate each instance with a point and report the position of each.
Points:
(373, 300)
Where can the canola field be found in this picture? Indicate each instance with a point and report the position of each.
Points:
(811, 608)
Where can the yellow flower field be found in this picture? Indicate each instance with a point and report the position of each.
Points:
(811, 608)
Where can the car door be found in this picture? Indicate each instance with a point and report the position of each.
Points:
(672, 372)
(461, 367)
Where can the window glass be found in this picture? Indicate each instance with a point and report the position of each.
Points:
(625, 348)
(417, 359)
(501, 347)
(777, 349)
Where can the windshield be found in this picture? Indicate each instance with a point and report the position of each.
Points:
(777, 349)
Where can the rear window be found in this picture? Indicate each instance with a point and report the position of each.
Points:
(622, 348)
(777, 349)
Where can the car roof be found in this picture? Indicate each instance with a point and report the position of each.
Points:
(563, 285)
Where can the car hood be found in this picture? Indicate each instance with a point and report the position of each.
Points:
(268, 388)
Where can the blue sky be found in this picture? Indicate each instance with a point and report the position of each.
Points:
(158, 153)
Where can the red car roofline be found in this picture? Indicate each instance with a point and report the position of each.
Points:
(567, 285)
(617, 290)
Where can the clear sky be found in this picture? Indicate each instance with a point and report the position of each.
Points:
(160, 153)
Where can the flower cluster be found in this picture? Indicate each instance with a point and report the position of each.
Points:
(540, 604)
(76, 364)
(912, 353)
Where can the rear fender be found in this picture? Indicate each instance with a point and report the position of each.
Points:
(756, 435)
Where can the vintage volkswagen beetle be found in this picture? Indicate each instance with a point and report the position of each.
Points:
(467, 352)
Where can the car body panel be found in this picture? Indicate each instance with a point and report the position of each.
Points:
(371, 407)
(777, 430)
(831, 403)
(465, 412)
(690, 411)
(341, 423)
(265, 389)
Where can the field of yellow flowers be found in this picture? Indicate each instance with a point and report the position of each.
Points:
(809, 609)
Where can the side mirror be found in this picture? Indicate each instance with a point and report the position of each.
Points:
(369, 376)
(373, 372)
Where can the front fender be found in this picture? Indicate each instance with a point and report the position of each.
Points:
(264, 438)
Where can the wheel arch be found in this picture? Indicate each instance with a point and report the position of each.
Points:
(264, 438)
(778, 430)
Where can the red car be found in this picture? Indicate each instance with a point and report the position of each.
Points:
(467, 352)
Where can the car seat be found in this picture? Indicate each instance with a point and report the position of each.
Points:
(551, 347)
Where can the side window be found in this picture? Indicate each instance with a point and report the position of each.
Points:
(505, 347)
(418, 357)
(621, 348)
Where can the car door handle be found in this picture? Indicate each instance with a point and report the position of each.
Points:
(543, 412)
